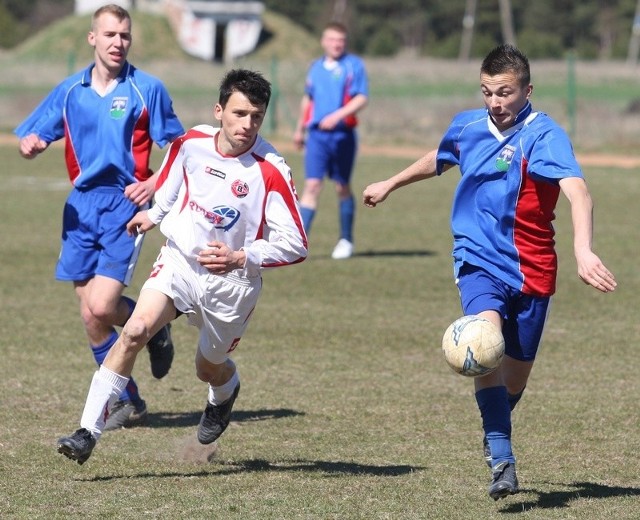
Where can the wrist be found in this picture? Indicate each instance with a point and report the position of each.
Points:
(241, 258)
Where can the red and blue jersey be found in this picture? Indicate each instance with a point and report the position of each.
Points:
(108, 138)
(504, 204)
(331, 86)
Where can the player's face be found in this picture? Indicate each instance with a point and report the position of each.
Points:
(504, 96)
(240, 122)
(111, 40)
(334, 43)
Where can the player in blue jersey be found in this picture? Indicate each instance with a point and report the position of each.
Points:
(336, 90)
(514, 162)
(109, 114)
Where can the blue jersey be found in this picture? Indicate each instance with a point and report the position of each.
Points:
(504, 204)
(108, 138)
(332, 87)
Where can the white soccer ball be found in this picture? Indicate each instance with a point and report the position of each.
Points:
(473, 346)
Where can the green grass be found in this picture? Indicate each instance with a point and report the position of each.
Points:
(347, 410)
(153, 39)
(553, 89)
(67, 39)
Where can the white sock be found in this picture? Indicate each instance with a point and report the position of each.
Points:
(219, 394)
(105, 388)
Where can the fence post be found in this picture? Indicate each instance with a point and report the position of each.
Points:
(272, 122)
(571, 92)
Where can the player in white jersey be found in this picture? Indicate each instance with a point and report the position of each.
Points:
(226, 202)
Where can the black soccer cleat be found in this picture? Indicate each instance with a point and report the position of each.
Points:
(215, 419)
(77, 446)
(161, 351)
(126, 414)
(504, 481)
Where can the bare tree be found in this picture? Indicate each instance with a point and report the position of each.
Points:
(506, 22)
(634, 41)
(468, 22)
(339, 10)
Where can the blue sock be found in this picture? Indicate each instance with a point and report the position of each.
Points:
(307, 217)
(347, 216)
(100, 352)
(496, 422)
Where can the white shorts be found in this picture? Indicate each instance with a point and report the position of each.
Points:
(219, 305)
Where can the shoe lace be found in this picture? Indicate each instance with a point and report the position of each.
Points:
(82, 433)
(120, 403)
(212, 413)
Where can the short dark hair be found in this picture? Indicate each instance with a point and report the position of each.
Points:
(507, 58)
(119, 12)
(251, 84)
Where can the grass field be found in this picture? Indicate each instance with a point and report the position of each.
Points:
(412, 99)
(347, 410)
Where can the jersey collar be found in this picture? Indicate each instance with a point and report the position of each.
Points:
(524, 113)
(86, 75)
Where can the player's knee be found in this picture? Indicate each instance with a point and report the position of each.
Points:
(88, 318)
(343, 191)
(135, 333)
(102, 312)
(312, 188)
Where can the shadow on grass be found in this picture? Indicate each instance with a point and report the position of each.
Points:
(177, 420)
(399, 253)
(560, 499)
(331, 468)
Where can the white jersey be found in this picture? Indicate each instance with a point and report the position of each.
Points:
(248, 202)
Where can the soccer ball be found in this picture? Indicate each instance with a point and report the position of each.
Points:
(473, 346)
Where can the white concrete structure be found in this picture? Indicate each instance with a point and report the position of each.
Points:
(214, 30)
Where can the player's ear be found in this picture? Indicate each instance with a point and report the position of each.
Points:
(91, 38)
(217, 111)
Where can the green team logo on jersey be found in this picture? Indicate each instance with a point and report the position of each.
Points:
(118, 107)
(504, 159)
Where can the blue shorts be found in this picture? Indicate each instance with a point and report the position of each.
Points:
(330, 153)
(524, 315)
(94, 236)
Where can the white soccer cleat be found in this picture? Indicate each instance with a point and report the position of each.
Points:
(343, 249)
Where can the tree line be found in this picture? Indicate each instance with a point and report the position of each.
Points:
(593, 29)
(21, 18)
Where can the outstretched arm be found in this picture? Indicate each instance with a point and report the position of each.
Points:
(423, 168)
(591, 270)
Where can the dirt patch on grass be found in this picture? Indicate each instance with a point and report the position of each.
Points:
(414, 152)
